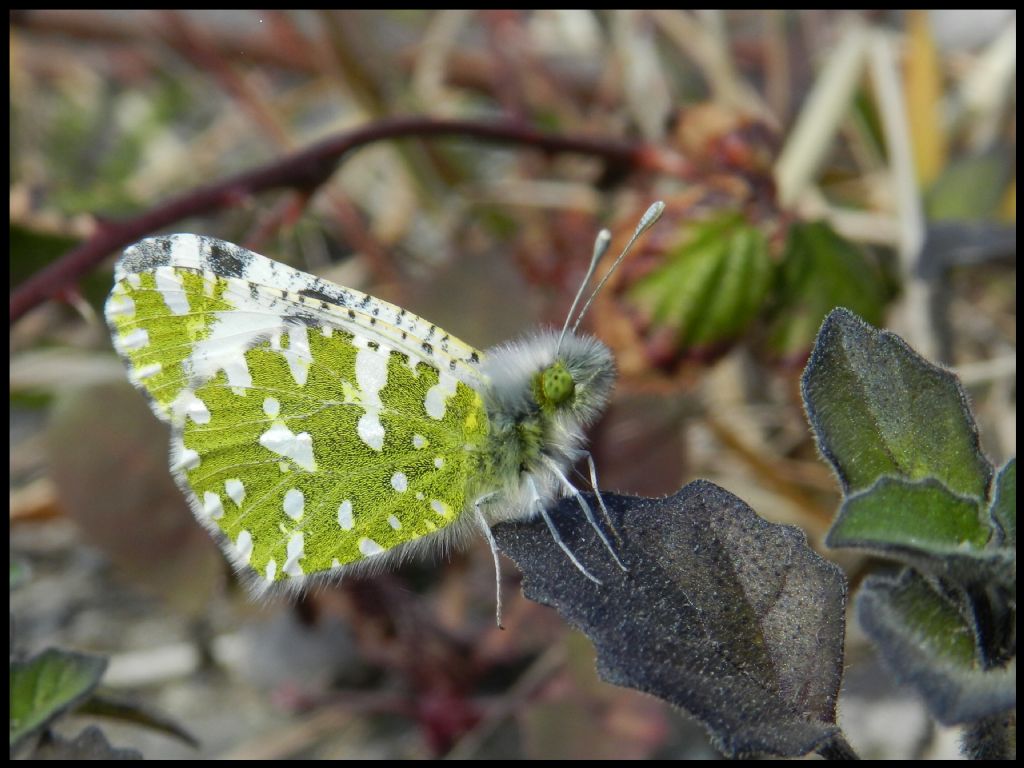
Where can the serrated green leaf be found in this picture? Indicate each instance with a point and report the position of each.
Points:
(821, 271)
(1004, 503)
(711, 286)
(48, 685)
(929, 644)
(878, 408)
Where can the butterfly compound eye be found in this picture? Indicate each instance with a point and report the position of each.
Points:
(556, 384)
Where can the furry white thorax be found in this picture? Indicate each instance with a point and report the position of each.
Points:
(510, 370)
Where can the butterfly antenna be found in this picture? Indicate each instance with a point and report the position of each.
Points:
(646, 222)
(601, 243)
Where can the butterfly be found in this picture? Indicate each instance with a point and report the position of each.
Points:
(318, 431)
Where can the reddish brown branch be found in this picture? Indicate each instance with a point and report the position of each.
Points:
(308, 169)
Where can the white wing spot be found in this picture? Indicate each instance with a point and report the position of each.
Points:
(418, 441)
(235, 490)
(232, 333)
(271, 569)
(295, 551)
(136, 339)
(438, 462)
(369, 547)
(169, 284)
(420, 496)
(400, 482)
(146, 371)
(345, 515)
(120, 305)
(188, 404)
(371, 378)
(271, 407)
(212, 506)
(243, 546)
(437, 395)
(440, 507)
(187, 459)
(326, 330)
(282, 441)
(370, 430)
(294, 503)
(134, 279)
(394, 522)
(297, 354)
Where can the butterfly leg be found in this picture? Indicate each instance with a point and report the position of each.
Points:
(587, 511)
(600, 499)
(494, 551)
(557, 537)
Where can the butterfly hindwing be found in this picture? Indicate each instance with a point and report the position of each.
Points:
(313, 426)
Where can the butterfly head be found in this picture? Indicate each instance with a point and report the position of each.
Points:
(577, 379)
(568, 381)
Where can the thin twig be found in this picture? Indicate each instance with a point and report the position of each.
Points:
(306, 170)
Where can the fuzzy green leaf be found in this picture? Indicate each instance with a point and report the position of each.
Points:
(1004, 504)
(820, 271)
(929, 644)
(878, 408)
(898, 512)
(46, 686)
(709, 288)
(922, 524)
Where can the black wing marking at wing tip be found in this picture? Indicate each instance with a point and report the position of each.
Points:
(226, 259)
(147, 254)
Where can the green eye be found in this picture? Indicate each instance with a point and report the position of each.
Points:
(556, 383)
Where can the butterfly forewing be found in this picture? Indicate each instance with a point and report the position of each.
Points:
(313, 426)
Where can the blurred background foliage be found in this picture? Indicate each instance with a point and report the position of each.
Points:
(821, 159)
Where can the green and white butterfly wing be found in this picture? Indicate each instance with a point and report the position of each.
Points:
(314, 428)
